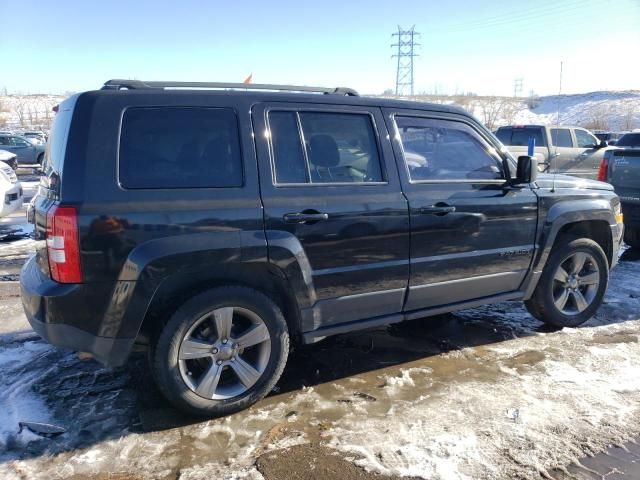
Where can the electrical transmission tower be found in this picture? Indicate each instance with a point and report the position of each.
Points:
(517, 87)
(405, 53)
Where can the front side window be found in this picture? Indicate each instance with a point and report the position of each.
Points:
(437, 150)
(561, 137)
(322, 147)
(179, 147)
(585, 139)
(19, 142)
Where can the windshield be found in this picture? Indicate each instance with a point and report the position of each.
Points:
(629, 140)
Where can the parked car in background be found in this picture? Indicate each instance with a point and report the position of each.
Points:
(621, 168)
(9, 158)
(35, 135)
(610, 137)
(562, 149)
(27, 151)
(214, 227)
(10, 191)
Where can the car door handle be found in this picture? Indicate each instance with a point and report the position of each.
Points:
(302, 217)
(437, 209)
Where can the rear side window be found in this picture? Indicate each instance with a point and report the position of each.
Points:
(322, 147)
(179, 147)
(519, 137)
(629, 140)
(561, 137)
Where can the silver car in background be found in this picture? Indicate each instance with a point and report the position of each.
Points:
(27, 151)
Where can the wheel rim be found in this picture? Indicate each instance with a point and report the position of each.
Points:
(224, 353)
(576, 283)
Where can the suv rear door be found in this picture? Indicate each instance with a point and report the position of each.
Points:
(588, 153)
(472, 236)
(333, 205)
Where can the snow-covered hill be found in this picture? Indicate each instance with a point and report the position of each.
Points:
(610, 110)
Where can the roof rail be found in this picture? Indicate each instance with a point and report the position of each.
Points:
(139, 85)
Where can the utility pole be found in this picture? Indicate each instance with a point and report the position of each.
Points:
(517, 87)
(405, 53)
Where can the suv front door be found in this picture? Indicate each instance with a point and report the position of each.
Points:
(472, 236)
(333, 206)
(589, 154)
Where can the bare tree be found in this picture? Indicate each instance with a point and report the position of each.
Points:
(628, 116)
(20, 107)
(495, 109)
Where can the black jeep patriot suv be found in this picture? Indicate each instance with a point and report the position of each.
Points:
(217, 226)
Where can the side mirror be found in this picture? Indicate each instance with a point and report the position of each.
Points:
(527, 170)
(602, 144)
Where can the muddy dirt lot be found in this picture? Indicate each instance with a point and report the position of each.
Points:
(488, 393)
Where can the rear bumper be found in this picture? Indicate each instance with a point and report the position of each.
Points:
(46, 305)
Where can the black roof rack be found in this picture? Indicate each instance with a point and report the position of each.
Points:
(139, 84)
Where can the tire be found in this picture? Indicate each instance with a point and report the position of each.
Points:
(632, 237)
(14, 164)
(579, 292)
(40, 159)
(201, 372)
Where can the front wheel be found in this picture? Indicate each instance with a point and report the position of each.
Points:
(572, 285)
(221, 351)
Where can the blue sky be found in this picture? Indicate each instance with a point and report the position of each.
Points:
(53, 46)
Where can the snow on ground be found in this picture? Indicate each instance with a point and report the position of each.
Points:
(615, 111)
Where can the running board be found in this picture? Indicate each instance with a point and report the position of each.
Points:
(321, 333)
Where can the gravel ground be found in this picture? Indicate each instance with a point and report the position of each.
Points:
(485, 393)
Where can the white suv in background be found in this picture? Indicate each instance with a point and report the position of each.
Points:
(10, 191)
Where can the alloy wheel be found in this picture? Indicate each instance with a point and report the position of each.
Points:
(575, 283)
(224, 353)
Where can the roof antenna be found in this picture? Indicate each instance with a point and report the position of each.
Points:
(555, 142)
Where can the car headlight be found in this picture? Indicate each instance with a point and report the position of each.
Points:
(617, 211)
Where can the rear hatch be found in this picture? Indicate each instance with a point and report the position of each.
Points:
(50, 187)
(624, 174)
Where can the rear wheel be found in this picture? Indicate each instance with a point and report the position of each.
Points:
(632, 237)
(572, 285)
(14, 164)
(40, 159)
(221, 351)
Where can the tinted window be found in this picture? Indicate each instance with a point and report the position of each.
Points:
(289, 163)
(176, 147)
(629, 140)
(4, 141)
(585, 139)
(520, 136)
(338, 148)
(561, 137)
(445, 150)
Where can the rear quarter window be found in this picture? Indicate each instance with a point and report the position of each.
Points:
(179, 147)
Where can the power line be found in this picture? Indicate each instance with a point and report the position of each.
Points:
(405, 54)
(500, 20)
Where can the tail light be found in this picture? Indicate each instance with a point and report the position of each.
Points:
(63, 245)
(604, 168)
